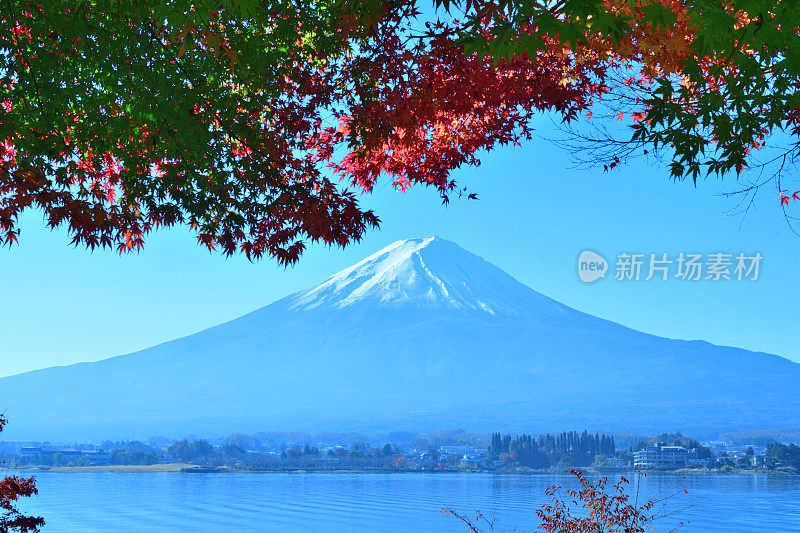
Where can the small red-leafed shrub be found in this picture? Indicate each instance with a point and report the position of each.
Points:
(12, 488)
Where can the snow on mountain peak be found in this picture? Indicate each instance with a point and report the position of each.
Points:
(428, 272)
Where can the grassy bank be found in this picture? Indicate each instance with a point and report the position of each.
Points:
(169, 467)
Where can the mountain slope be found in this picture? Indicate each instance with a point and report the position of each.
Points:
(422, 335)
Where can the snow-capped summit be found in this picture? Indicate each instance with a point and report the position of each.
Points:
(425, 272)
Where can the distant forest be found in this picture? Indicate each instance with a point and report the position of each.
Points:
(572, 448)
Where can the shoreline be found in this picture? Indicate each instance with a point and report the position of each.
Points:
(185, 468)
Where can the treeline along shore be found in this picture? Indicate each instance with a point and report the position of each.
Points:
(452, 451)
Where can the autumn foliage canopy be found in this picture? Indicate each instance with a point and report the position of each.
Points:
(258, 123)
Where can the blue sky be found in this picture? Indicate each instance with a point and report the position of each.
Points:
(63, 305)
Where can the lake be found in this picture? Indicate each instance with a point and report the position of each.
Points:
(361, 503)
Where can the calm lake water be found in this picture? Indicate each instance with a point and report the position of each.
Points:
(361, 503)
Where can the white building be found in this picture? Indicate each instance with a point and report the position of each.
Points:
(30, 452)
(471, 451)
(97, 457)
(659, 456)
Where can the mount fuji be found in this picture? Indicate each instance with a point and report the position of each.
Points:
(422, 335)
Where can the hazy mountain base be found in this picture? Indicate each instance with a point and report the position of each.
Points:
(421, 335)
